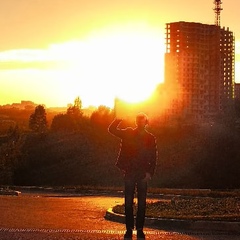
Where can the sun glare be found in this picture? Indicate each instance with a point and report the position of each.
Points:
(116, 63)
(124, 62)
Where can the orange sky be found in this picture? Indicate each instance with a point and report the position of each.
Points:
(41, 38)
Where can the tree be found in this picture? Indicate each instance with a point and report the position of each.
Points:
(76, 109)
(11, 156)
(71, 120)
(62, 122)
(102, 116)
(38, 120)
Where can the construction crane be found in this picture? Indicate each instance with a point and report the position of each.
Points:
(218, 8)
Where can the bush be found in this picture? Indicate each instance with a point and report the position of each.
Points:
(11, 157)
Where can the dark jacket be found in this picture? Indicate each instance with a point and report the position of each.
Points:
(138, 152)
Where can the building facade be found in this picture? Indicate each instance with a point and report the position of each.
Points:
(237, 91)
(199, 69)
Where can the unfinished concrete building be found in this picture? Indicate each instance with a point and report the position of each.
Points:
(199, 69)
(237, 91)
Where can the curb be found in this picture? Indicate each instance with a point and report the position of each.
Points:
(192, 225)
(9, 193)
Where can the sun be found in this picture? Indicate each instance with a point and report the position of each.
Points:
(123, 62)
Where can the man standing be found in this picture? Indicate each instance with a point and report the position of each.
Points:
(137, 160)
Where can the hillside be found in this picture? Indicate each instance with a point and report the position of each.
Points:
(69, 159)
(188, 158)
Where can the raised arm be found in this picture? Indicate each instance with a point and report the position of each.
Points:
(113, 128)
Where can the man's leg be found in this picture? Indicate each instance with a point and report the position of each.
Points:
(141, 195)
(129, 196)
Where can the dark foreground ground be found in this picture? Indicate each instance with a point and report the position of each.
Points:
(51, 216)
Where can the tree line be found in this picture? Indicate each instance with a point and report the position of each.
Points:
(78, 150)
(72, 120)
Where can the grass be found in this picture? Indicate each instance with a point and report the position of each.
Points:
(197, 208)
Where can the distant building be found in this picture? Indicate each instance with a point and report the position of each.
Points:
(28, 105)
(199, 69)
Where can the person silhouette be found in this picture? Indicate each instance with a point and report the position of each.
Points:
(137, 161)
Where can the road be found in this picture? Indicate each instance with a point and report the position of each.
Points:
(40, 216)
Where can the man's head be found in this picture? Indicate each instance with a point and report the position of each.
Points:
(141, 120)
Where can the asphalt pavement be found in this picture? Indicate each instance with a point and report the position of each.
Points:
(38, 216)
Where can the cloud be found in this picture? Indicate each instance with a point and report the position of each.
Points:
(23, 55)
(29, 58)
(42, 65)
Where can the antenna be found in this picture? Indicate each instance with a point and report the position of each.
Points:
(218, 8)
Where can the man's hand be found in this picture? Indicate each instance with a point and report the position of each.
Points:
(147, 177)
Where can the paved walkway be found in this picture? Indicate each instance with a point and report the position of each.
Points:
(50, 217)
